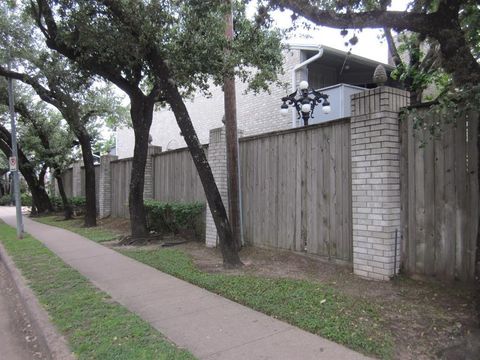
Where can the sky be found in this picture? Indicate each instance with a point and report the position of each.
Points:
(370, 44)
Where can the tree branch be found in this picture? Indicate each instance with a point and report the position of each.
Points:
(45, 94)
(392, 47)
(398, 20)
(442, 25)
(55, 43)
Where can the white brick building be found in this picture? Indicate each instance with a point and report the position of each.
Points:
(259, 113)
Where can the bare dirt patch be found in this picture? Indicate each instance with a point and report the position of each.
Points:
(428, 319)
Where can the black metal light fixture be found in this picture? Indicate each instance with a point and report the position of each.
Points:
(305, 101)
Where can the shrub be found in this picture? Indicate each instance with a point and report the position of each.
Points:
(178, 218)
(56, 203)
(26, 199)
(5, 200)
(78, 204)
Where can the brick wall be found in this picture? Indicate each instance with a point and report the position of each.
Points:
(148, 184)
(375, 147)
(256, 113)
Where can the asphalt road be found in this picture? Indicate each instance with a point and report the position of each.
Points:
(18, 340)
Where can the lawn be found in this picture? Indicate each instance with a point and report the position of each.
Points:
(96, 234)
(310, 305)
(95, 326)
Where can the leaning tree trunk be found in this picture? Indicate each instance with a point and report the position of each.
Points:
(67, 208)
(39, 196)
(214, 199)
(90, 193)
(40, 199)
(141, 112)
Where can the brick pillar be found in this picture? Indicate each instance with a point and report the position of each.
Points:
(217, 158)
(77, 178)
(375, 149)
(105, 186)
(149, 186)
(55, 191)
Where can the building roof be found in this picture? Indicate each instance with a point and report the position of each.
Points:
(336, 55)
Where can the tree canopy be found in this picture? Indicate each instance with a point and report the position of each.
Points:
(159, 51)
(454, 24)
(81, 99)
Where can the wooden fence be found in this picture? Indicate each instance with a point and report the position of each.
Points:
(176, 178)
(296, 190)
(439, 196)
(121, 173)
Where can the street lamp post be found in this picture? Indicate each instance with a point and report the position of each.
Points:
(305, 101)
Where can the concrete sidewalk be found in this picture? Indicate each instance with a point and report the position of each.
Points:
(208, 325)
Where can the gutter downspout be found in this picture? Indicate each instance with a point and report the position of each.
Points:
(294, 76)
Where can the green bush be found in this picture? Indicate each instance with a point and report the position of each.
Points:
(78, 203)
(5, 200)
(56, 203)
(26, 199)
(178, 218)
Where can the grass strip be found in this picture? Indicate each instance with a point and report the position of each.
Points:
(312, 306)
(96, 327)
(96, 234)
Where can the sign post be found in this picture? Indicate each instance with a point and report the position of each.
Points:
(13, 159)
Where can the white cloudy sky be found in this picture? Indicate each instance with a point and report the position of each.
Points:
(370, 44)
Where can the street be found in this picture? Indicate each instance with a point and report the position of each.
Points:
(18, 340)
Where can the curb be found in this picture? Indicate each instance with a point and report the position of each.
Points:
(54, 343)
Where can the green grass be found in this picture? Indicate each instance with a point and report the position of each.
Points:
(76, 225)
(95, 326)
(310, 305)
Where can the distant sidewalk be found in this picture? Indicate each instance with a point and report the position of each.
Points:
(208, 325)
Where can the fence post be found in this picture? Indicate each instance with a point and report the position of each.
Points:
(105, 186)
(148, 190)
(77, 178)
(375, 152)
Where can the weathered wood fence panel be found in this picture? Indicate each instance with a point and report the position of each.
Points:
(120, 185)
(176, 178)
(296, 190)
(440, 198)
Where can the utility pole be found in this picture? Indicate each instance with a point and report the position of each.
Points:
(231, 136)
(14, 161)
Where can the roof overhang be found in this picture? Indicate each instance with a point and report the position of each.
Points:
(338, 53)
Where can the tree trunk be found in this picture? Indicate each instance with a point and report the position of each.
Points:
(227, 244)
(40, 197)
(141, 112)
(477, 253)
(90, 193)
(233, 176)
(41, 175)
(67, 208)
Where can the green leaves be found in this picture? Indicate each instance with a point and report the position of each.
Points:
(188, 35)
(173, 217)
